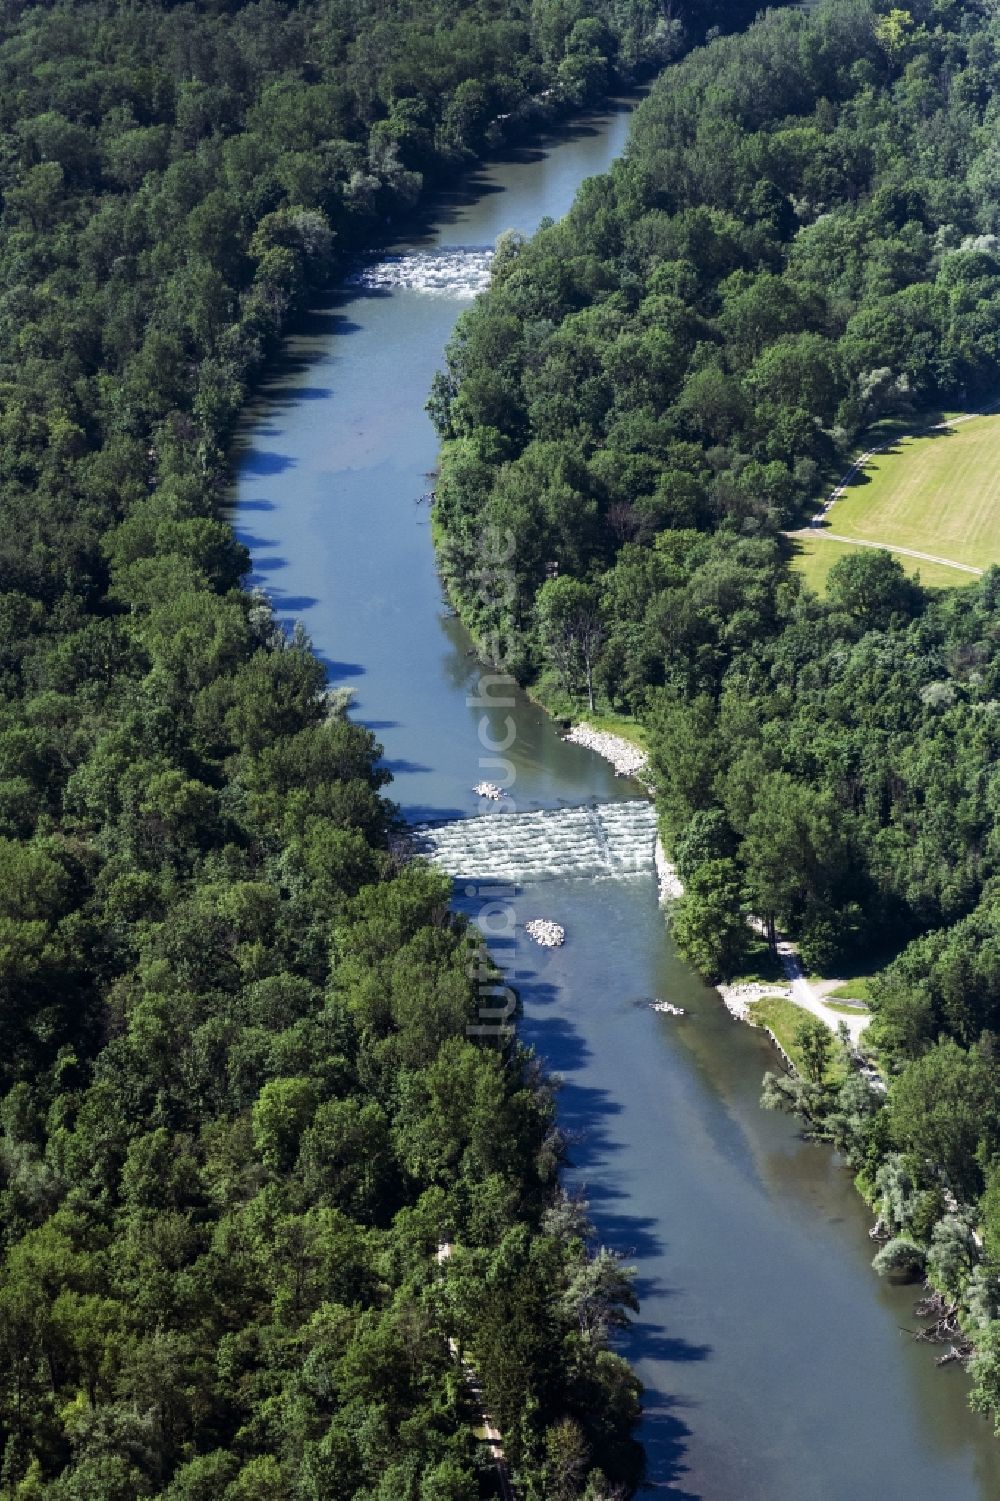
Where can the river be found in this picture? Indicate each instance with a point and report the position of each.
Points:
(774, 1361)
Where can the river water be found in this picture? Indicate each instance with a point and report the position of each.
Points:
(775, 1365)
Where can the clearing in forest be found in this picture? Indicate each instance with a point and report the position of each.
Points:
(815, 554)
(936, 493)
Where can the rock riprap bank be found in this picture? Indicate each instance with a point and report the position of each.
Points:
(627, 759)
(667, 1138)
(738, 999)
(630, 760)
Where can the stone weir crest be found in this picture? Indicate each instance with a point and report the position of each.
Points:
(607, 839)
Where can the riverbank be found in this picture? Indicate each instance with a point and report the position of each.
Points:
(630, 759)
(742, 1002)
(335, 461)
(626, 756)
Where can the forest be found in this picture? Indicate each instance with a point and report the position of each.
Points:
(239, 1108)
(799, 246)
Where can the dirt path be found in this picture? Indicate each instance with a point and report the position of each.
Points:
(805, 996)
(909, 552)
(492, 1433)
(862, 460)
(475, 1389)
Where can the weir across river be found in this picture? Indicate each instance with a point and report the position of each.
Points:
(605, 839)
(771, 1355)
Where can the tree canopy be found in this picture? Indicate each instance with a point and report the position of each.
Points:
(239, 1106)
(799, 244)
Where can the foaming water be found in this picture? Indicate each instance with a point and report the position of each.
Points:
(775, 1362)
(609, 840)
(461, 271)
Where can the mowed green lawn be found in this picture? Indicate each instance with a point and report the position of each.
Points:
(939, 494)
(814, 556)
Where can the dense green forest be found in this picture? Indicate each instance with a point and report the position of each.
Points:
(239, 1106)
(800, 242)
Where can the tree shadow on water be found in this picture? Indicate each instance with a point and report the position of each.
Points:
(446, 207)
(428, 813)
(664, 1436)
(262, 461)
(289, 605)
(335, 669)
(253, 541)
(663, 1433)
(262, 566)
(311, 393)
(586, 1114)
(322, 322)
(290, 395)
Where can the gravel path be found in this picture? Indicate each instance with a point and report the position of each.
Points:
(862, 460)
(475, 1388)
(909, 552)
(803, 994)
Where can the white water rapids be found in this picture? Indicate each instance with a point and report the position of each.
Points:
(460, 271)
(609, 840)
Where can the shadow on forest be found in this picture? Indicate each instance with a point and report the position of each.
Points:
(868, 962)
